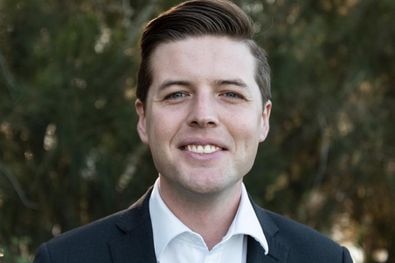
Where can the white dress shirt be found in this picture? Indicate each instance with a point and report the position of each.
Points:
(174, 242)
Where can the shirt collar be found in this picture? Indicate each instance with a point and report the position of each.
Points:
(246, 222)
(166, 226)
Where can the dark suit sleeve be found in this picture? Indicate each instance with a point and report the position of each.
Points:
(42, 255)
(346, 256)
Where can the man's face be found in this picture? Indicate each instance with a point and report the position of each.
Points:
(203, 118)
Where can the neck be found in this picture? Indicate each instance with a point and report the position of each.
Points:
(209, 215)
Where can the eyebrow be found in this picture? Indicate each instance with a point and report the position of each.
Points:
(221, 82)
(168, 83)
(234, 82)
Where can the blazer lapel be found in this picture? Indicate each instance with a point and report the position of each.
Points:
(136, 242)
(278, 252)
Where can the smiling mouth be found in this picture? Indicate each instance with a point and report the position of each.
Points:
(201, 149)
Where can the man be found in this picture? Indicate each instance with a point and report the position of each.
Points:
(203, 101)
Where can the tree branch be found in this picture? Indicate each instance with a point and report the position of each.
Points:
(17, 187)
(324, 152)
(9, 79)
(143, 16)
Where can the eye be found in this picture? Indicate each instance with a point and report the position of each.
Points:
(232, 95)
(176, 95)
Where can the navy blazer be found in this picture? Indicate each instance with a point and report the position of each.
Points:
(127, 237)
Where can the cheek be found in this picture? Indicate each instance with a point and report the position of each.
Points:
(245, 126)
(164, 125)
(247, 138)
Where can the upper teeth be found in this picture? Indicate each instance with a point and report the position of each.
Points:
(202, 148)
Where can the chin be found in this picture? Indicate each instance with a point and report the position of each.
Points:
(210, 186)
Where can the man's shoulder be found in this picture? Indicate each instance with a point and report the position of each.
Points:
(91, 241)
(296, 231)
(102, 229)
(87, 242)
(303, 241)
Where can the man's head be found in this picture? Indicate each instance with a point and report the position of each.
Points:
(199, 98)
(199, 18)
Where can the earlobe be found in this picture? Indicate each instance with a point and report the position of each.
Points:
(141, 123)
(265, 120)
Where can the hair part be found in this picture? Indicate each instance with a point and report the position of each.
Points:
(198, 18)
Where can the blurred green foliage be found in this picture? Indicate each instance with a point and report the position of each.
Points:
(69, 152)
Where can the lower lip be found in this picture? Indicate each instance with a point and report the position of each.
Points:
(203, 156)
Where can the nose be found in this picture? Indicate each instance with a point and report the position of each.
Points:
(203, 112)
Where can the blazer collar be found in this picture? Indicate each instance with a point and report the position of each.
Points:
(136, 241)
(278, 251)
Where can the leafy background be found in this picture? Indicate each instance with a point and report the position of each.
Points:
(69, 153)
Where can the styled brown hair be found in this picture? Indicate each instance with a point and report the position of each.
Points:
(197, 18)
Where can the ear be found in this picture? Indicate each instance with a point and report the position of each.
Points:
(141, 124)
(265, 120)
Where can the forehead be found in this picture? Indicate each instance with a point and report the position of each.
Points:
(204, 57)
